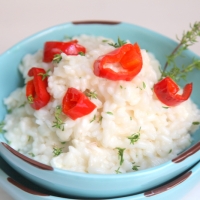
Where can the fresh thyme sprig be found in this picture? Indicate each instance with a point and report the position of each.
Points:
(119, 44)
(30, 99)
(90, 94)
(57, 151)
(120, 154)
(188, 39)
(135, 167)
(2, 124)
(58, 123)
(45, 75)
(117, 170)
(57, 58)
(134, 137)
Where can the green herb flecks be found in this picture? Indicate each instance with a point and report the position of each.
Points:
(100, 119)
(134, 137)
(104, 40)
(30, 99)
(117, 170)
(144, 85)
(119, 44)
(31, 154)
(63, 142)
(120, 154)
(110, 113)
(44, 75)
(165, 107)
(170, 151)
(81, 53)
(90, 94)
(188, 39)
(195, 123)
(2, 124)
(58, 123)
(93, 119)
(135, 167)
(57, 151)
(57, 58)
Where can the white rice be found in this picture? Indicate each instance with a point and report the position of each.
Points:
(90, 146)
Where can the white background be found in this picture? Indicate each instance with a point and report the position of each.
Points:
(22, 18)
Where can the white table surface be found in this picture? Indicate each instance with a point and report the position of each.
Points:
(22, 18)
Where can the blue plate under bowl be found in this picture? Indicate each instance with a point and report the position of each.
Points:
(91, 185)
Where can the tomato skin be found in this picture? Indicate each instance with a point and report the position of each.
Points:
(128, 56)
(52, 48)
(75, 104)
(166, 91)
(37, 88)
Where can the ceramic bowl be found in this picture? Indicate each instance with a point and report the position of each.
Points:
(90, 185)
(22, 189)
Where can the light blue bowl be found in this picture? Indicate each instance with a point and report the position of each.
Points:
(89, 185)
(22, 189)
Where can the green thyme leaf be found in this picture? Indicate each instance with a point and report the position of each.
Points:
(44, 75)
(90, 94)
(58, 123)
(144, 85)
(119, 44)
(117, 170)
(165, 107)
(57, 58)
(134, 137)
(30, 99)
(100, 119)
(2, 124)
(120, 154)
(31, 154)
(63, 142)
(135, 167)
(170, 151)
(93, 119)
(81, 53)
(110, 113)
(57, 151)
(195, 123)
(104, 40)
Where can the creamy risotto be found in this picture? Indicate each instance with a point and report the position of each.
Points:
(129, 130)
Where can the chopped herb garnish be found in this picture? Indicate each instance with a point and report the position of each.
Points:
(144, 85)
(22, 105)
(195, 123)
(119, 44)
(2, 124)
(10, 110)
(135, 167)
(90, 94)
(57, 151)
(57, 58)
(165, 107)
(117, 170)
(93, 119)
(81, 53)
(63, 142)
(104, 40)
(32, 154)
(170, 151)
(30, 99)
(120, 154)
(58, 123)
(29, 138)
(134, 137)
(121, 86)
(44, 75)
(131, 118)
(110, 113)
(100, 119)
